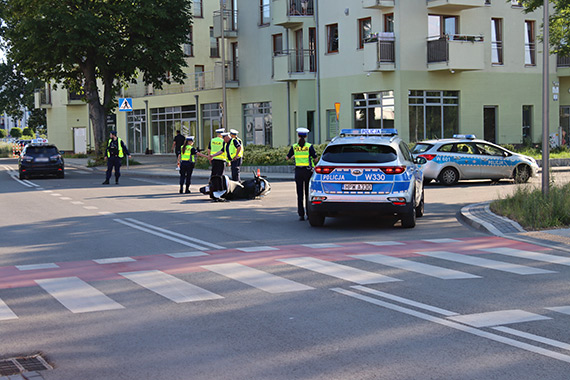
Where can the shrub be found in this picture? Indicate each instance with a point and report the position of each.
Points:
(5, 149)
(3, 133)
(16, 132)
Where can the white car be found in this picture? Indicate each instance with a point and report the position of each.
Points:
(466, 157)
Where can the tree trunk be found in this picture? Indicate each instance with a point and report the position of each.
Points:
(97, 112)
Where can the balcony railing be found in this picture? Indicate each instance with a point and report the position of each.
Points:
(456, 52)
(438, 47)
(563, 61)
(455, 5)
(231, 73)
(379, 4)
(194, 82)
(380, 53)
(293, 64)
(301, 8)
(230, 23)
(292, 13)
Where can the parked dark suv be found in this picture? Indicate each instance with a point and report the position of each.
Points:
(42, 159)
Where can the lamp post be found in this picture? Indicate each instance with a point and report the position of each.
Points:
(545, 103)
(223, 46)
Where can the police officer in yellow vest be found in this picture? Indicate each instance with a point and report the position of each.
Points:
(217, 153)
(116, 150)
(235, 154)
(305, 157)
(187, 161)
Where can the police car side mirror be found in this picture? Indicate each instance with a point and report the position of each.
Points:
(420, 160)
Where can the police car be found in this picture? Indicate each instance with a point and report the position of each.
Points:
(466, 157)
(367, 171)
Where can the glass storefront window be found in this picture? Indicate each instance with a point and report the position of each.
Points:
(374, 110)
(433, 114)
(258, 123)
(166, 121)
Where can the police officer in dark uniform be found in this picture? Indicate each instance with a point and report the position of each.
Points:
(305, 157)
(234, 151)
(187, 161)
(116, 150)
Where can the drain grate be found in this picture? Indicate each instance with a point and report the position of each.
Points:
(14, 366)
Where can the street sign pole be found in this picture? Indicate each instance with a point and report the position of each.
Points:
(545, 104)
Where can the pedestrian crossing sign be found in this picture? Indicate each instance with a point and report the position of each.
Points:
(125, 104)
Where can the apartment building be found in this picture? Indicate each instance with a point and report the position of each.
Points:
(428, 68)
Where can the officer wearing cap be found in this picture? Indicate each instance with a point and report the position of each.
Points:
(305, 157)
(187, 161)
(116, 150)
(217, 153)
(234, 151)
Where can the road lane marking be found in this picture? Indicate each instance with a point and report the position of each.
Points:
(384, 243)
(170, 287)
(5, 312)
(496, 318)
(31, 183)
(156, 233)
(114, 260)
(108, 213)
(413, 266)
(457, 326)
(485, 263)
(256, 278)
(560, 309)
(65, 198)
(406, 301)
(181, 255)
(202, 242)
(55, 195)
(257, 249)
(90, 207)
(442, 241)
(536, 338)
(37, 266)
(77, 295)
(320, 246)
(77, 203)
(553, 259)
(343, 272)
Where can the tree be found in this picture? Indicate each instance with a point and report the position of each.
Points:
(78, 43)
(559, 24)
(16, 132)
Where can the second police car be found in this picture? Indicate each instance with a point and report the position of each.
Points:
(368, 171)
(466, 157)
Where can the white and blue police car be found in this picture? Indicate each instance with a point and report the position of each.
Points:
(367, 171)
(466, 157)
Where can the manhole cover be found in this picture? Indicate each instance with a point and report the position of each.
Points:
(14, 366)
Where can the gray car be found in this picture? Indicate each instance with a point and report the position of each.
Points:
(466, 157)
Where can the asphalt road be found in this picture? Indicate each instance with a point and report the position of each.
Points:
(136, 281)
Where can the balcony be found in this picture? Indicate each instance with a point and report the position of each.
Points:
(293, 65)
(379, 53)
(454, 5)
(378, 4)
(194, 82)
(42, 98)
(456, 52)
(292, 13)
(75, 99)
(231, 71)
(563, 66)
(230, 24)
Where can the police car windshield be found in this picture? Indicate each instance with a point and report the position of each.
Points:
(359, 154)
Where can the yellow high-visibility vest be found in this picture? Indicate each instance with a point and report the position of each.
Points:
(216, 145)
(119, 141)
(186, 154)
(233, 149)
(302, 155)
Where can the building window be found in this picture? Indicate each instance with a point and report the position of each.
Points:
(439, 26)
(389, 23)
(197, 9)
(527, 125)
(188, 45)
(433, 114)
(516, 3)
(264, 12)
(214, 45)
(529, 44)
(258, 123)
(332, 38)
(277, 44)
(165, 121)
(364, 31)
(199, 78)
(497, 41)
(374, 110)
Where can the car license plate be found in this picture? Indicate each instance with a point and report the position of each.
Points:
(42, 159)
(357, 187)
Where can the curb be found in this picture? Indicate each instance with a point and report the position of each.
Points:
(466, 215)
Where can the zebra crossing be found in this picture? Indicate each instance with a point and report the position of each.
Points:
(74, 292)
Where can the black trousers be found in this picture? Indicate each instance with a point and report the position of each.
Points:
(302, 176)
(218, 167)
(113, 162)
(186, 169)
(236, 169)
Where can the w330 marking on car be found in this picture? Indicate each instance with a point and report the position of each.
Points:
(375, 177)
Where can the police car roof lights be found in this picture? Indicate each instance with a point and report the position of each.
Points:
(369, 132)
(469, 137)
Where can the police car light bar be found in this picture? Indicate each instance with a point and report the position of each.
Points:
(470, 137)
(369, 132)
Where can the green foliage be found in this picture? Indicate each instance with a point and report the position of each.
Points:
(28, 132)
(16, 132)
(533, 211)
(3, 133)
(5, 150)
(37, 120)
(559, 24)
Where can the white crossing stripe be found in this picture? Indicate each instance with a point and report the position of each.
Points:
(384, 243)
(322, 245)
(170, 287)
(77, 203)
(37, 266)
(560, 309)
(65, 198)
(5, 312)
(530, 255)
(256, 278)
(258, 249)
(442, 241)
(91, 207)
(485, 263)
(496, 318)
(114, 260)
(343, 272)
(77, 295)
(413, 266)
(55, 195)
(180, 255)
(536, 338)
